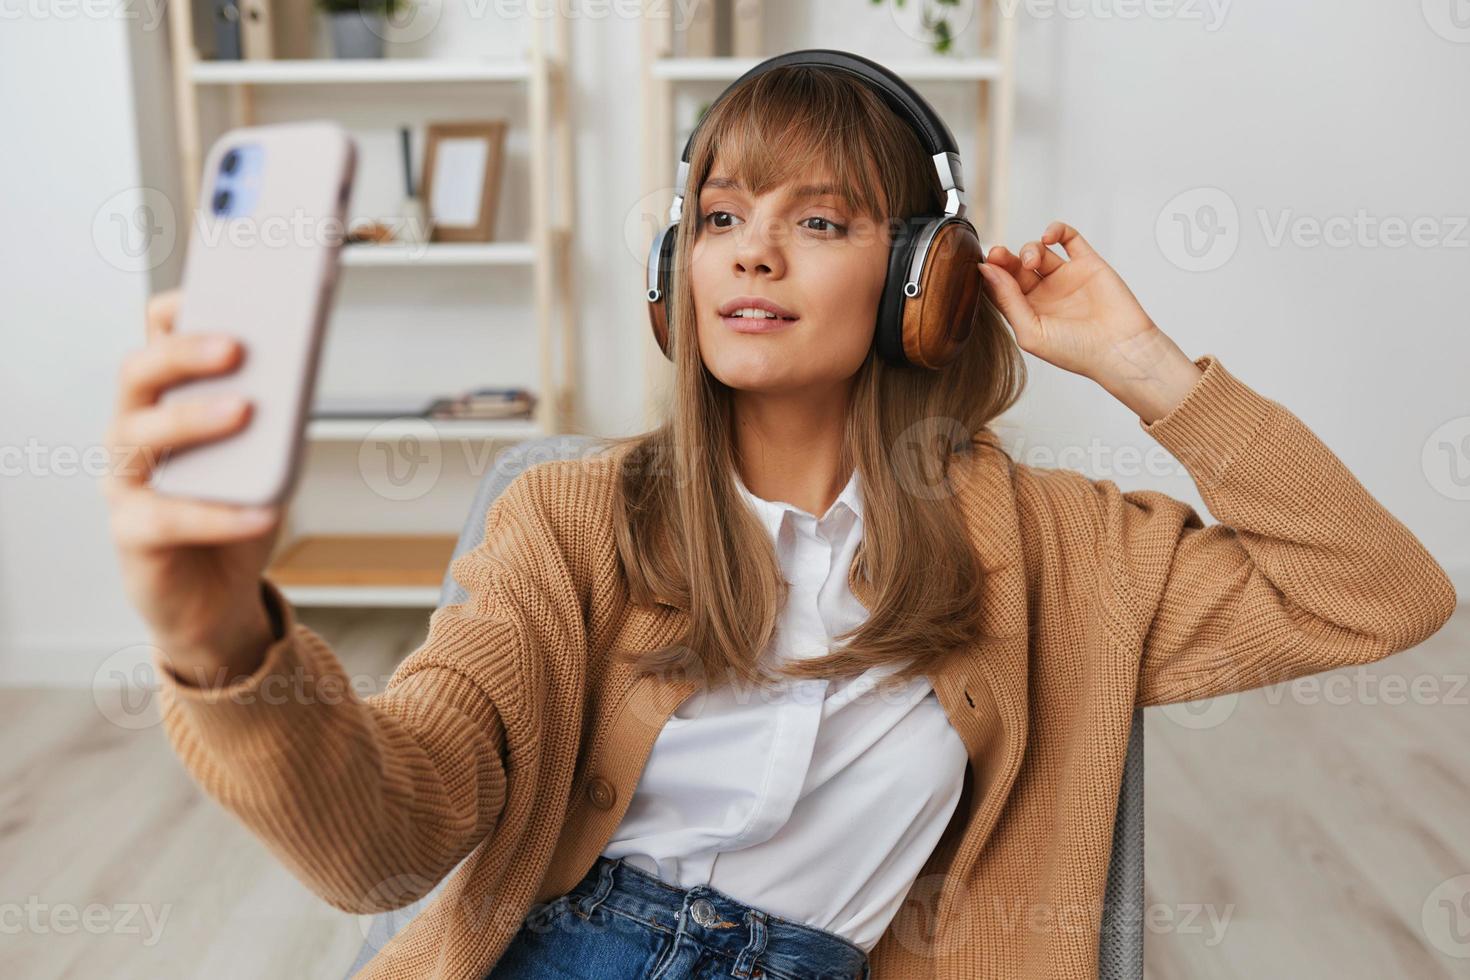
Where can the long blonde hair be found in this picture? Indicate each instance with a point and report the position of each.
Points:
(683, 531)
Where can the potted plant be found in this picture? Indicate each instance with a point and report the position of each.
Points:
(358, 26)
(933, 22)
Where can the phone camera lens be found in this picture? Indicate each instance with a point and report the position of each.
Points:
(221, 202)
(230, 162)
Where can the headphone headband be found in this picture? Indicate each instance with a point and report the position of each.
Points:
(901, 97)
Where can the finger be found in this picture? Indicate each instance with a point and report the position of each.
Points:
(139, 439)
(162, 309)
(1008, 297)
(1061, 233)
(1040, 259)
(146, 519)
(1011, 262)
(147, 371)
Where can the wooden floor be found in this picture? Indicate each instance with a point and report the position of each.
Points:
(1306, 831)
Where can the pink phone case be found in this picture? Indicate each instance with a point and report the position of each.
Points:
(262, 266)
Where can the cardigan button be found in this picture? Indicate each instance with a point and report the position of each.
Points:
(601, 793)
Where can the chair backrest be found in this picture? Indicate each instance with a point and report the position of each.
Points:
(1120, 956)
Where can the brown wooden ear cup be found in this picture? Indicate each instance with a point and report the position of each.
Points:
(937, 322)
(927, 330)
(658, 310)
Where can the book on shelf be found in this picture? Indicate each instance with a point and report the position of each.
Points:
(485, 403)
(477, 404)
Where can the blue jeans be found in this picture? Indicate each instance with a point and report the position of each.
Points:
(621, 922)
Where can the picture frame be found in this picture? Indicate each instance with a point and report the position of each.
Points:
(463, 160)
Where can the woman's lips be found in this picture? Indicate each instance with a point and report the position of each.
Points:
(742, 324)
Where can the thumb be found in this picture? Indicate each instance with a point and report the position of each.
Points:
(1006, 294)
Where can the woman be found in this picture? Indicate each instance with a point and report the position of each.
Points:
(810, 681)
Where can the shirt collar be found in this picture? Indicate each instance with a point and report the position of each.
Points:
(773, 512)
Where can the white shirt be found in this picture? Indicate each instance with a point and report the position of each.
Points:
(809, 801)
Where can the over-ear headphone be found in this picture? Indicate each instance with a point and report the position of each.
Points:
(932, 293)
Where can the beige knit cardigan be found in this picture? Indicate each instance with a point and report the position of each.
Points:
(511, 733)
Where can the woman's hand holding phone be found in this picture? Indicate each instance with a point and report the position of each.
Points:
(192, 568)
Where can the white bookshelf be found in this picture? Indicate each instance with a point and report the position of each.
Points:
(361, 71)
(540, 73)
(442, 430)
(986, 161)
(440, 254)
(376, 596)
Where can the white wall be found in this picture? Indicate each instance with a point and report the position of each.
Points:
(1284, 110)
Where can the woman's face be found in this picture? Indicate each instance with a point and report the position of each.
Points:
(802, 250)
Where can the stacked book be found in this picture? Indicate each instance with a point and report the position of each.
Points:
(485, 403)
(478, 404)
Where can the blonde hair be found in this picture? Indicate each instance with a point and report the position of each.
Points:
(683, 531)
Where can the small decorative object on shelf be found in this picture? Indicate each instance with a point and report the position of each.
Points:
(359, 26)
(369, 232)
(461, 179)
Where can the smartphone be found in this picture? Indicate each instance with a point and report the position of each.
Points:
(263, 255)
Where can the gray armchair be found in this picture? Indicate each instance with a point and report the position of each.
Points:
(1121, 951)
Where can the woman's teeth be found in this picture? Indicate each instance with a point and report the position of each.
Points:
(752, 312)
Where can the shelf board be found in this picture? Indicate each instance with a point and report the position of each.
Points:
(439, 254)
(352, 430)
(363, 569)
(335, 71)
(377, 596)
(910, 69)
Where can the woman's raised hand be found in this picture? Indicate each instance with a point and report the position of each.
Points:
(192, 568)
(1074, 312)
(1078, 314)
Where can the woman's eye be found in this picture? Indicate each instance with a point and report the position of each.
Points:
(710, 218)
(830, 225)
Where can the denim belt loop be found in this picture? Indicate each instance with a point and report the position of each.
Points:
(587, 904)
(745, 962)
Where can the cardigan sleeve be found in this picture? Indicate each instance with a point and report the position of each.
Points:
(371, 801)
(1304, 572)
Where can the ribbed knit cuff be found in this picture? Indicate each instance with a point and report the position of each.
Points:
(1217, 417)
(261, 714)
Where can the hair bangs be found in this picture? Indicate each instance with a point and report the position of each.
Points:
(795, 124)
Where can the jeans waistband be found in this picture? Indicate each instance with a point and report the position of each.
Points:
(720, 923)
